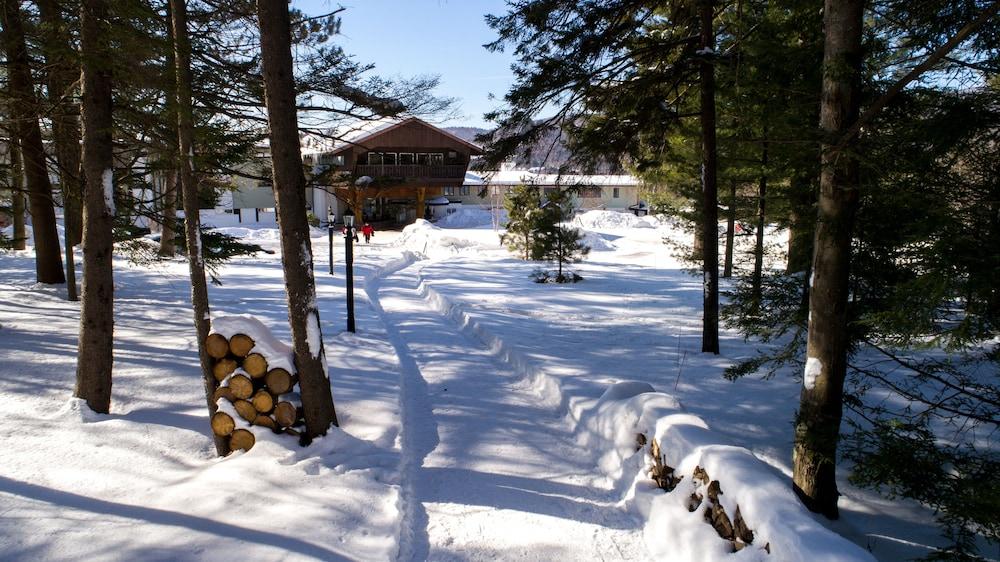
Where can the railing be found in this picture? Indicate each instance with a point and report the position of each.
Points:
(414, 171)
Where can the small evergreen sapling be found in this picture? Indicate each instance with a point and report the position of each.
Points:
(523, 205)
(555, 241)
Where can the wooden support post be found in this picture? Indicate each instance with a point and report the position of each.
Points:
(421, 193)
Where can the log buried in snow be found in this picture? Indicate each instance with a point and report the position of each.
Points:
(240, 345)
(279, 381)
(217, 346)
(222, 369)
(222, 424)
(246, 410)
(255, 365)
(263, 401)
(241, 386)
(241, 439)
(284, 414)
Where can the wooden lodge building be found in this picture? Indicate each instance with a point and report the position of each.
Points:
(391, 169)
(388, 169)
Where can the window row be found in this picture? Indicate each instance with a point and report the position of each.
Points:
(406, 158)
(453, 191)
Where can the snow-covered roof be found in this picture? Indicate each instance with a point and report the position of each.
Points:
(360, 131)
(523, 177)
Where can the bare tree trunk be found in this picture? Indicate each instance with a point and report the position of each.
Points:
(93, 370)
(48, 259)
(17, 195)
(710, 191)
(62, 73)
(801, 222)
(817, 427)
(192, 216)
(727, 269)
(168, 232)
(289, 188)
(758, 250)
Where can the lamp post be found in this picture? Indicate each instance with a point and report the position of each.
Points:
(349, 263)
(329, 228)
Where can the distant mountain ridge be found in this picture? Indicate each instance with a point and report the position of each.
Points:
(549, 153)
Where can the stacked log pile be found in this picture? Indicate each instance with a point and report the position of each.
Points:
(251, 392)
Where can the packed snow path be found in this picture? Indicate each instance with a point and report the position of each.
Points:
(489, 471)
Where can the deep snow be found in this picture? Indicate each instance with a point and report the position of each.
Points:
(475, 411)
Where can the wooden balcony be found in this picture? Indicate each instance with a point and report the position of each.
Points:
(408, 172)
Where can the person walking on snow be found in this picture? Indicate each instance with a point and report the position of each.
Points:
(368, 232)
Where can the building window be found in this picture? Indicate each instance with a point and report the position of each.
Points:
(590, 193)
(423, 159)
(331, 160)
(389, 158)
(436, 158)
(464, 190)
(374, 158)
(616, 192)
(405, 158)
(449, 191)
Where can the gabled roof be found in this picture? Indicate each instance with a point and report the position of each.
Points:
(362, 132)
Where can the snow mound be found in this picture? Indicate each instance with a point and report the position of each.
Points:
(596, 242)
(424, 238)
(472, 217)
(611, 220)
(673, 532)
(244, 233)
(278, 354)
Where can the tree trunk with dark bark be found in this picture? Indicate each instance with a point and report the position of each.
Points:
(727, 268)
(62, 72)
(25, 112)
(289, 188)
(817, 427)
(801, 219)
(17, 195)
(710, 191)
(95, 358)
(758, 250)
(192, 216)
(168, 232)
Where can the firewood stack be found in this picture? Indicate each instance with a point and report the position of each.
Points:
(250, 393)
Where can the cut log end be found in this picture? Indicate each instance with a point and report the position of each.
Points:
(266, 421)
(285, 414)
(255, 365)
(240, 345)
(241, 439)
(222, 424)
(263, 401)
(223, 392)
(223, 368)
(279, 381)
(246, 410)
(217, 346)
(241, 386)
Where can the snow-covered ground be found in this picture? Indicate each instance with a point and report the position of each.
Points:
(483, 416)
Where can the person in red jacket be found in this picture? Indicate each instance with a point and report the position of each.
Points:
(367, 231)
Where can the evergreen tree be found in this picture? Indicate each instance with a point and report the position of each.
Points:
(557, 242)
(523, 204)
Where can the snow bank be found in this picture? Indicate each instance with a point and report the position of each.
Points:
(424, 238)
(472, 217)
(256, 234)
(611, 220)
(279, 355)
(612, 424)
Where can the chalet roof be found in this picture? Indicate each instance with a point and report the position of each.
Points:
(360, 132)
(524, 177)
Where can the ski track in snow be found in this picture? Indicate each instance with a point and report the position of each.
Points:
(488, 471)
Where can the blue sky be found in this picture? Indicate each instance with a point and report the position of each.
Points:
(443, 37)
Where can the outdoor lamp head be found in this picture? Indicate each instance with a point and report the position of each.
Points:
(348, 220)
